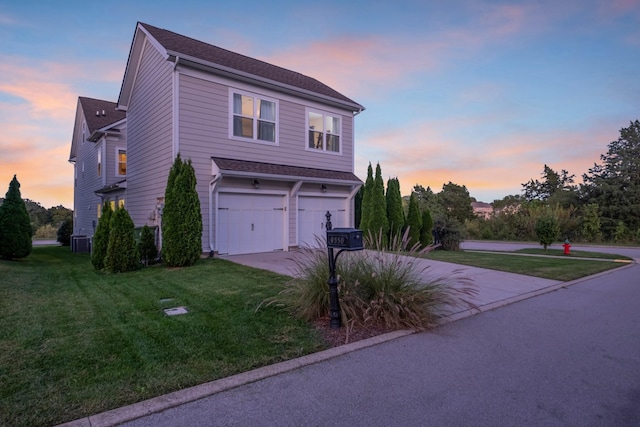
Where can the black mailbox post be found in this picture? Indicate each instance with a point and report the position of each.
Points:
(344, 239)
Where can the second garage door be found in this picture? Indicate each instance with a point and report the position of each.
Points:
(312, 220)
(250, 223)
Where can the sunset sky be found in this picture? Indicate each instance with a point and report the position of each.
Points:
(479, 93)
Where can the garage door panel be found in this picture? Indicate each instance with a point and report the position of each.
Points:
(250, 223)
(312, 218)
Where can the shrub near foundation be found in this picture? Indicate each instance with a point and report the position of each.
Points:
(376, 288)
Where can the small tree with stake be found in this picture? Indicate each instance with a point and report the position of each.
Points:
(547, 229)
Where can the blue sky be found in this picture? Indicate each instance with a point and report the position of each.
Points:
(479, 93)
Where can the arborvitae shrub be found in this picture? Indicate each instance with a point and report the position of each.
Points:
(15, 225)
(101, 238)
(427, 227)
(182, 218)
(395, 213)
(414, 221)
(122, 251)
(147, 246)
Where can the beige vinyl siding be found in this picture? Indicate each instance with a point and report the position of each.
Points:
(85, 200)
(204, 130)
(150, 138)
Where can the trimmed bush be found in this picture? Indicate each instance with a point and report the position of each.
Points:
(15, 225)
(451, 234)
(101, 238)
(64, 232)
(122, 251)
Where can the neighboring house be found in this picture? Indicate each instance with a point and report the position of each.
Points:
(273, 150)
(99, 156)
(482, 209)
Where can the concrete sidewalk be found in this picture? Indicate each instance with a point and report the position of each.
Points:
(495, 289)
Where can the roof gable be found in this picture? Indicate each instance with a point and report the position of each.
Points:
(216, 59)
(99, 114)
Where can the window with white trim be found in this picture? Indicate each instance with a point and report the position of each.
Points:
(254, 117)
(324, 131)
(100, 161)
(121, 161)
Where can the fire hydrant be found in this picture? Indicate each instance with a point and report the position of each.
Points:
(567, 246)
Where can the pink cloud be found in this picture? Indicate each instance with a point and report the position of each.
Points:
(425, 154)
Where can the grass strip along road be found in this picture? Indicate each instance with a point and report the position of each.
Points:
(549, 264)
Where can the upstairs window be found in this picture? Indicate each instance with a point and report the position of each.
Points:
(100, 162)
(121, 162)
(254, 117)
(324, 131)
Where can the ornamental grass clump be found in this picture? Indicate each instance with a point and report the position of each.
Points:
(383, 289)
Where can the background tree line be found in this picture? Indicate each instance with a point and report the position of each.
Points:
(45, 222)
(604, 207)
(427, 218)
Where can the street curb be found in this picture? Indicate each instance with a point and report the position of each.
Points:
(134, 411)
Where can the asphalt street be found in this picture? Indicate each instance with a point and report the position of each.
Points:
(567, 358)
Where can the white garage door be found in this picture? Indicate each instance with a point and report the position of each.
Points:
(250, 223)
(312, 219)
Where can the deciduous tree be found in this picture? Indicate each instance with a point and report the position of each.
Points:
(614, 184)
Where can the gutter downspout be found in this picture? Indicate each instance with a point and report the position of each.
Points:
(212, 186)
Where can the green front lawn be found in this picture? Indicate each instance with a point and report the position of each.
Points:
(74, 342)
(563, 268)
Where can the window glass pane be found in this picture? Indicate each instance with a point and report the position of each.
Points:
(243, 126)
(266, 110)
(333, 143)
(315, 140)
(242, 105)
(122, 162)
(315, 122)
(333, 125)
(266, 131)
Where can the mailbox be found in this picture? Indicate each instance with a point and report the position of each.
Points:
(349, 239)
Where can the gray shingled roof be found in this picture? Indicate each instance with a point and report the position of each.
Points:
(182, 45)
(94, 122)
(282, 170)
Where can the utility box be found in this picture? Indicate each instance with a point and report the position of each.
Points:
(349, 239)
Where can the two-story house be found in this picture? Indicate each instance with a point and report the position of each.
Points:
(273, 150)
(99, 158)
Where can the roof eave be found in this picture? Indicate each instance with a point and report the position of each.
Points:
(277, 177)
(235, 74)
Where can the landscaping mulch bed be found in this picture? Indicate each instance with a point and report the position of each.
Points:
(344, 335)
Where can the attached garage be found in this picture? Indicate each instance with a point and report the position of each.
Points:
(312, 217)
(250, 223)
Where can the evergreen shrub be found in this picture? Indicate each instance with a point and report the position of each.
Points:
(101, 238)
(15, 224)
(122, 251)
